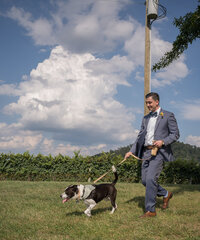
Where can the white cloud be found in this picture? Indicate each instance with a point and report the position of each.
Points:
(64, 97)
(117, 69)
(13, 137)
(70, 97)
(193, 140)
(9, 89)
(175, 72)
(191, 110)
(158, 46)
(84, 150)
(96, 27)
(41, 30)
(171, 74)
(135, 47)
(81, 26)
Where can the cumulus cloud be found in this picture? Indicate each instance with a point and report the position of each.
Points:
(70, 97)
(96, 27)
(193, 140)
(9, 89)
(191, 110)
(64, 96)
(117, 69)
(81, 26)
(134, 47)
(41, 30)
(14, 137)
(174, 72)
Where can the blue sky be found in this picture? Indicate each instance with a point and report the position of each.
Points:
(71, 74)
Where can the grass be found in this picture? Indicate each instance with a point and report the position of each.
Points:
(34, 210)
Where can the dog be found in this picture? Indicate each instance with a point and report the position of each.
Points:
(92, 194)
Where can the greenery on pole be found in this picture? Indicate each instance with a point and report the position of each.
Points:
(189, 30)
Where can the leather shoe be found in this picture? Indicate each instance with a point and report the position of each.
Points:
(166, 200)
(148, 214)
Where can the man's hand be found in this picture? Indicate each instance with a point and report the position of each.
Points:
(158, 143)
(128, 154)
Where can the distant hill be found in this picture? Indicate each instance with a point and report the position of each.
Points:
(181, 151)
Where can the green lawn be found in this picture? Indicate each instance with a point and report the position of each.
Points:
(34, 210)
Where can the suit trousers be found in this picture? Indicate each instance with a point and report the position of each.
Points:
(151, 170)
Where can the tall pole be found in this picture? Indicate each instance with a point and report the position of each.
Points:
(147, 61)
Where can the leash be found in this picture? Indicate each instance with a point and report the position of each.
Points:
(118, 165)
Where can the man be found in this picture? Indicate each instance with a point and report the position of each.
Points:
(158, 131)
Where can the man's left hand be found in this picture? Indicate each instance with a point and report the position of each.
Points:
(158, 143)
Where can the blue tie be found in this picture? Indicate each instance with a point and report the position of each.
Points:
(153, 114)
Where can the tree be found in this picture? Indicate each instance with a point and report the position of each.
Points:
(189, 30)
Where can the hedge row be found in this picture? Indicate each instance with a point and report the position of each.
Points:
(78, 168)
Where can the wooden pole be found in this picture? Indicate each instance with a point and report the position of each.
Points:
(147, 61)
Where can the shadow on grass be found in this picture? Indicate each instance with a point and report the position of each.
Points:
(140, 200)
(179, 189)
(94, 212)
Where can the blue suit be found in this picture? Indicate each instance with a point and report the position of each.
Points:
(166, 129)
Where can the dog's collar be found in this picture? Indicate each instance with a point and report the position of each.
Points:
(81, 191)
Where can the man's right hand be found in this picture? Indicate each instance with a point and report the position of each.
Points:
(128, 154)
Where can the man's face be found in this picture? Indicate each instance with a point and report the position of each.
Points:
(152, 104)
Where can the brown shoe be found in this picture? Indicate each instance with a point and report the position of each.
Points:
(166, 200)
(148, 214)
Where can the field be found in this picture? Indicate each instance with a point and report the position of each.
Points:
(34, 211)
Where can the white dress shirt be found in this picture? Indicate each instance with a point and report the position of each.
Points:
(149, 138)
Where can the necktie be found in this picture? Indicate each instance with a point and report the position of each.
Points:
(153, 114)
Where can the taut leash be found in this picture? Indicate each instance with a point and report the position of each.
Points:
(118, 165)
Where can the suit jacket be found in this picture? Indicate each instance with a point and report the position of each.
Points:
(166, 129)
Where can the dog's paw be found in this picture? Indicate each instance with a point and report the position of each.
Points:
(114, 209)
(87, 213)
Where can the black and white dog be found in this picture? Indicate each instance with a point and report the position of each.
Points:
(92, 194)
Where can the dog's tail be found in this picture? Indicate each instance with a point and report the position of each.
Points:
(115, 173)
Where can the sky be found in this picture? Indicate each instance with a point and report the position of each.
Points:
(72, 74)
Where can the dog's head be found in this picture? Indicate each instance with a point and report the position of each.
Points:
(70, 192)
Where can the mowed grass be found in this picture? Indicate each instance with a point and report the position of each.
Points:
(34, 210)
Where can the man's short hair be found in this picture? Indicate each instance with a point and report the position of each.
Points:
(154, 95)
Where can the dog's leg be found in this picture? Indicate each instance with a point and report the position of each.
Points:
(113, 209)
(91, 204)
(112, 199)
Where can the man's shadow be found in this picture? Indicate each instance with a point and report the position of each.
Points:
(140, 200)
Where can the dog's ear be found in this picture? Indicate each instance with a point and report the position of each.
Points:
(71, 187)
(75, 188)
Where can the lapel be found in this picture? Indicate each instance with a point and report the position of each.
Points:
(158, 120)
(147, 117)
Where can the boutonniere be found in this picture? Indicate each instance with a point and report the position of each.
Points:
(162, 114)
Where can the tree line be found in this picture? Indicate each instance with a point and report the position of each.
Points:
(26, 166)
(180, 150)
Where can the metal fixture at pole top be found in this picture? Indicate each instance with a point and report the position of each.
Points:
(152, 11)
